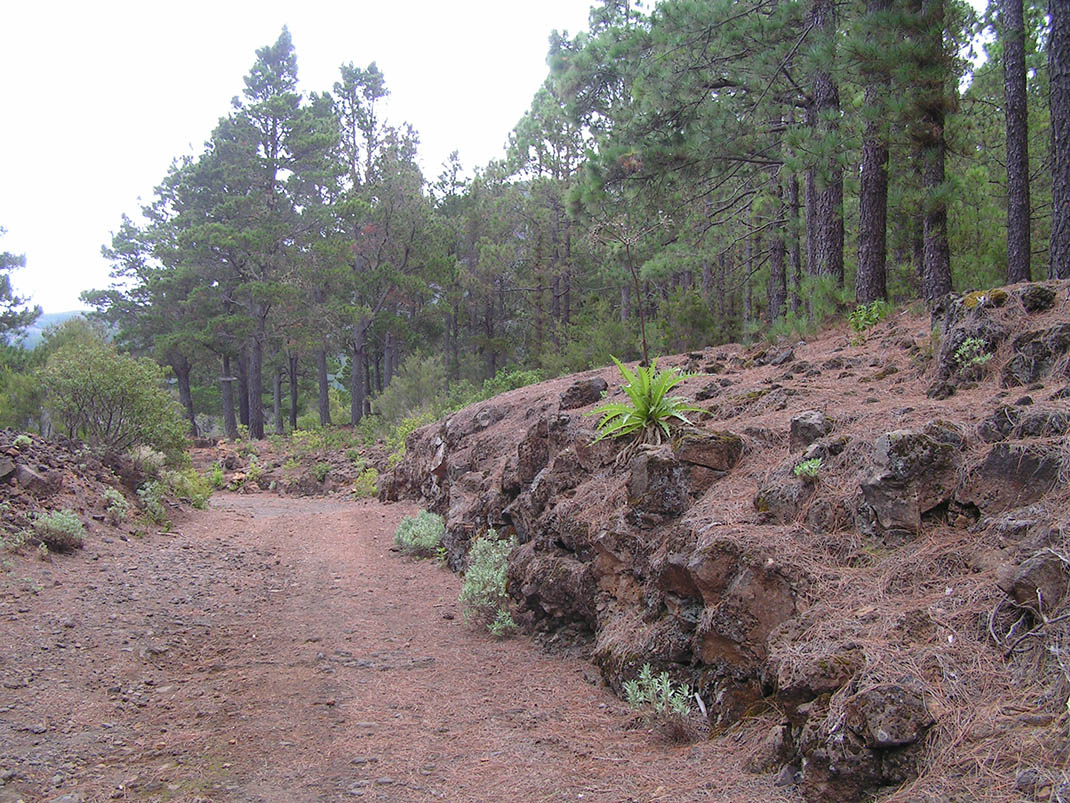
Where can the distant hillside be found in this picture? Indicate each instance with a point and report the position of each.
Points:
(35, 332)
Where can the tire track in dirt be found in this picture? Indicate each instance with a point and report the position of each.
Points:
(275, 649)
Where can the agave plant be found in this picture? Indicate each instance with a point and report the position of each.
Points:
(650, 411)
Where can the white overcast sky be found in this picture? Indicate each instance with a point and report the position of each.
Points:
(98, 98)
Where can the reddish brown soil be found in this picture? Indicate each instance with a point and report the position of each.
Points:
(276, 649)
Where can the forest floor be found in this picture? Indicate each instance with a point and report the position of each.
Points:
(276, 649)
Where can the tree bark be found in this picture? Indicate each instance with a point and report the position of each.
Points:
(1014, 108)
(226, 382)
(871, 278)
(243, 388)
(825, 182)
(256, 381)
(357, 373)
(321, 380)
(795, 250)
(937, 266)
(181, 366)
(778, 283)
(276, 399)
(1059, 105)
(292, 371)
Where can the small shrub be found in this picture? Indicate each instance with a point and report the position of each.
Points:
(661, 702)
(116, 507)
(188, 484)
(395, 441)
(148, 461)
(320, 471)
(22, 442)
(649, 411)
(366, 485)
(216, 478)
(865, 316)
(483, 597)
(420, 535)
(60, 530)
(353, 455)
(808, 469)
(972, 353)
(254, 473)
(151, 495)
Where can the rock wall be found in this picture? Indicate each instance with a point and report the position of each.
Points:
(713, 558)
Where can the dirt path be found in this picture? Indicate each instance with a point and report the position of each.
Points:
(276, 650)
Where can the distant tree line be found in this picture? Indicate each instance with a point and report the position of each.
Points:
(706, 171)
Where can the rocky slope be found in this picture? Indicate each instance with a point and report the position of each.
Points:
(896, 623)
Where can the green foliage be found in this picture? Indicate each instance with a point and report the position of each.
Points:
(187, 484)
(972, 353)
(508, 379)
(420, 382)
(59, 530)
(116, 507)
(366, 485)
(649, 412)
(254, 472)
(483, 597)
(112, 401)
(808, 469)
(22, 442)
(658, 699)
(864, 316)
(216, 478)
(420, 535)
(22, 398)
(151, 496)
(147, 461)
(395, 441)
(320, 471)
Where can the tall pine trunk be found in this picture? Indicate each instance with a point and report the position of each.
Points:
(825, 181)
(321, 380)
(256, 380)
(276, 399)
(1059, 105)
(226, 382)
(243, 387)
(1014, 108)
(871, 278)
(936, 276)
(292, 372)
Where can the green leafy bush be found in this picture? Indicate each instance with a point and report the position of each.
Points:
(483, 598)
(148, 461)
(420, 535)
(320, 471)
(112, 401)
(151, 495)
(366, 485)
(22, 442)
(59, 530)
(661, 702)
(808, 469)
(188, 484)
(216, 478)
(972, 353)
(254, 472)
(865, 316)
(116, 506)
(395, 441)
(650, 411)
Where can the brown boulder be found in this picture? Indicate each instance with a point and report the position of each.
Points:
(719, 451)
(910, 474)
(1011, 475)
(890, 715)
(583, 392)
(807, 427)
(657, 482)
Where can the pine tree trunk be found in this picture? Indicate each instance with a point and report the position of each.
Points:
(292, 371)
(778, 282)
(871, 277)
(826, 181)
(243, 387)
(276, 399)
(1014, 108)
(1059, 104)
(795, 251)
(181, 367)
(936, 279)
(321, 381)
(256, 381)
(226, 382)
(357, 374)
